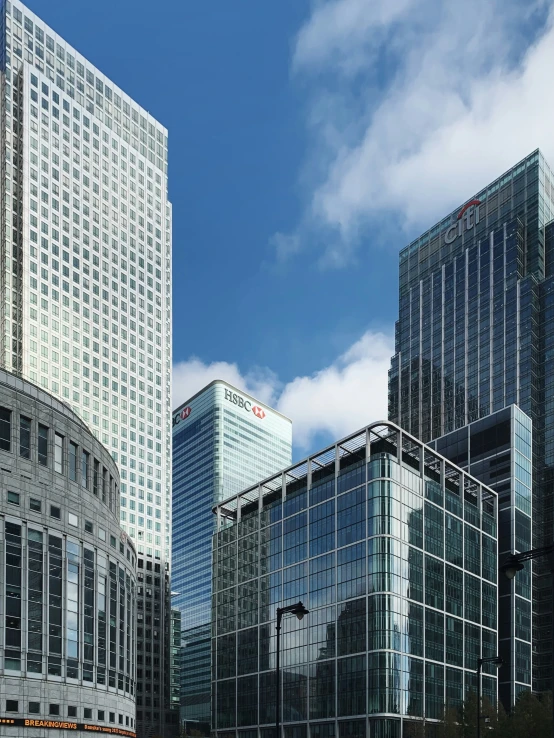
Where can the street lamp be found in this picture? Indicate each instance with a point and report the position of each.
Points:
(491, 660)
(515, 563)
(512, 565)
(299, 610)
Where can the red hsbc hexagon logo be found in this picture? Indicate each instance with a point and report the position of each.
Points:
(182, 415)
(258, 412)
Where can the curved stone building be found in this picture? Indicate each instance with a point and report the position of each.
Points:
(67, 575)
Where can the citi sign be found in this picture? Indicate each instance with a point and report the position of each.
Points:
(467, 218)
(244, 404)
(182, 415)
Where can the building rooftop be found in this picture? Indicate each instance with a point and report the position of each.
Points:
(490, 189)
(383, 437)
(235, 389)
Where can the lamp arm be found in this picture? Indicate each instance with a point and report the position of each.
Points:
(535, 553)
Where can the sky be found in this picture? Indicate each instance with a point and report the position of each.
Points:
(309, 141)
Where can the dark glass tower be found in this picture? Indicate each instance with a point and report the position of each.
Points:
(475, 334)
(497, 451)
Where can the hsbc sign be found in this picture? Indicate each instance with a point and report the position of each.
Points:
(181, 415)
(244, 404)
(468, 217)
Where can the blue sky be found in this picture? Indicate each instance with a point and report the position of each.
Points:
(309, 142)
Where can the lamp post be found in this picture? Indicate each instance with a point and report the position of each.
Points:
(515, 563)
(491, 660)
(299, 610)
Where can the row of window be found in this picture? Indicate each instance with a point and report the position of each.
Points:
(80, 469)
(74, 65)
(14, 498)
(34, 708)
(156, 154)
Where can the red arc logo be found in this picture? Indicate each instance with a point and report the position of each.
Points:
(185, 412)
(258, 412)
(467, 206)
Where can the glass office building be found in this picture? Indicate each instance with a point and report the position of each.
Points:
(223, 441)
(393, 550)
(475, 334)
(497, 450)
(85, 286)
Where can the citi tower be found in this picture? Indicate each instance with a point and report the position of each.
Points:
(474, 337)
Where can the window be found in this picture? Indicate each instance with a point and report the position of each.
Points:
(24, 437)
(58, 453)
(84, 468)
(96, 477)
(112, 541)
(101, 715)
(5, 429)
(54, 710)
(88, 526)
(12, 706)
(35, 504)
(43, 445)
(112, 717)
(88, 713)
(73, 519)
(34, 708)
(13, 498)
(73, 461)
(55, 512)
(71, 711)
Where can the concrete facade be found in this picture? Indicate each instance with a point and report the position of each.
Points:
(67, 574)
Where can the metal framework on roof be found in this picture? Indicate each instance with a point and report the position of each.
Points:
(350, 451)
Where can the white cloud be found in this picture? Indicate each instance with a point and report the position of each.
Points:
(191, 376)
(331, 403)
(343, 397)
(414, 106)
(345, 30)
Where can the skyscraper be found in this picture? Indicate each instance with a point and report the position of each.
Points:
(370, 535)
(475, 335)
(223, 441)
(497, 451)
(85, 286)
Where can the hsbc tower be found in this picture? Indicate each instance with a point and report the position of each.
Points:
(223, 441)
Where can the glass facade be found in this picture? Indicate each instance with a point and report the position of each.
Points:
(474, 335)
(85, 282)
(223, 440)
(497, 450)
(393, 551)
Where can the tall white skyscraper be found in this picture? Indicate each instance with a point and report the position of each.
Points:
(85, 287)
